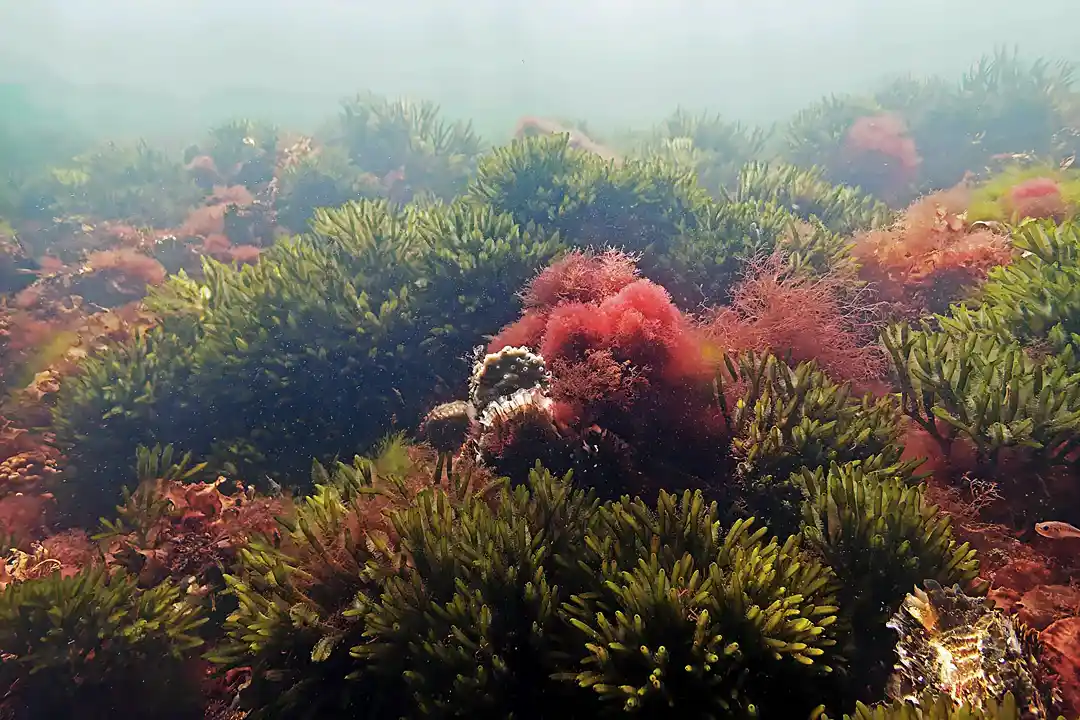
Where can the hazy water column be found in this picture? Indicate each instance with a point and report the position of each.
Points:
(623, 62)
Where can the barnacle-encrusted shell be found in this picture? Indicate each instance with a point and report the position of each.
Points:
(522, 403)
(503, 373)
(446, 426)
(963, 648)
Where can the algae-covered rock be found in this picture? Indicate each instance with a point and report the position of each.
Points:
(316, 350)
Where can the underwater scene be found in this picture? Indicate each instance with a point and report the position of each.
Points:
(406, 413)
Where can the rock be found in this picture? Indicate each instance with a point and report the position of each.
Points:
(1004, 598)
(1046, 604)
(1061, 651)
(1022, 574)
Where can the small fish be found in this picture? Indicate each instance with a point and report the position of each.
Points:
(1067, 162)
(1056, 530)
(1014, 157)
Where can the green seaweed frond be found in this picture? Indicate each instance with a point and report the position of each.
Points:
(874, 529)
(108, 407)
(473, 625)
(527, 178)
(134, 182)
(1035, 299)
(788, 420)
(478, 259)
(701, 263)
(806, 192)
(816, 134)
(687, 619)
(542, 182)
(709, 145)
(938, 707)
(369, 237)
(383, 135)
(292, 625)
(156, 463)
(80, 646)
(988, 391)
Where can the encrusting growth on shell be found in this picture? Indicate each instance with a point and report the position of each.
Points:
(963, 648)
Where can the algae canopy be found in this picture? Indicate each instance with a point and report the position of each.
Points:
(556, 361)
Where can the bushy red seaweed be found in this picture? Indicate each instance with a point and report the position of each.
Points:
(930, 255)
(881, 154)
(200, 527)
(622, 356)
(1037, 198)
(799, 319)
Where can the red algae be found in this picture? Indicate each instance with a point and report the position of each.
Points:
(930, 256)
(73, 549)
(622, 355)
(884, 156)
(525, 332)
(572, 329)
(581, 277)
(800, 319)
(596, 381)
(1037, 198)
(23, 516)
(646, 329)
(126, 265)
(887, 134)
(245, 254)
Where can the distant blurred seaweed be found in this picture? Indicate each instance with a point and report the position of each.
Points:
(384, 137)
(1017, 193)
(1003, 105)
(125, 182)
(815, 136)
(379, 148)
(323, 179)
(244, 152)
(713, 148)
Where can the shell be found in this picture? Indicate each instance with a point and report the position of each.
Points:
(963, 648)
(501, 374)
